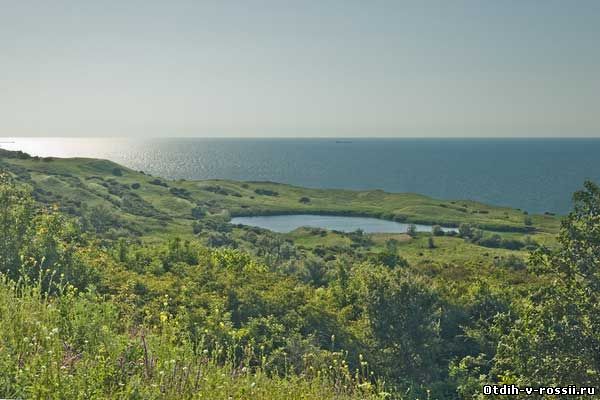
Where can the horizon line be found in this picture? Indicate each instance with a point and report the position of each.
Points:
(348, 138)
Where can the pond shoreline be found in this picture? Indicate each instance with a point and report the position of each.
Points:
(285, 223)
(383, 216)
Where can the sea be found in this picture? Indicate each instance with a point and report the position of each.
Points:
(535, 175)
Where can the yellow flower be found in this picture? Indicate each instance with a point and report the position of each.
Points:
(163, 317)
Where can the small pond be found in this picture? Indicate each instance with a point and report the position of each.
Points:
(288, 223)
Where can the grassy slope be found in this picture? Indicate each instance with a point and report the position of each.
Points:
(452, 257)
(44, 356)
(80, 180)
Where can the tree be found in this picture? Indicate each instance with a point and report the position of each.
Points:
(392, 245)
(403, 319)
(102, 218)
(556, 340)
(33, 240)
(430, 243)
(16, 216)
(198, 212)
(411, 230)
(390, 259)
(465, 230)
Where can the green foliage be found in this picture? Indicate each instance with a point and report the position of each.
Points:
(181, 192)
(556, 337)
(190, 306)
(403, 317)
(266, 192)
(511, 261)
(437, 230)
(430, 243)
(560, 326)
(390, 258)
(101, 219)
(158, 182)
(198, 212)
(39, 240)
(221, 190)
(78, 345)
(465, 230)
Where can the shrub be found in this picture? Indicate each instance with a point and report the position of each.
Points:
(437, 230)
(465, 230)
(511, 261)
(218, 239)
(390, 259)
(158, 182)
(493, 241)
(196, 228)
(221, 190)
(198, 212)
(430, 242)
(181, 192)
(512, 244)
(266, 192)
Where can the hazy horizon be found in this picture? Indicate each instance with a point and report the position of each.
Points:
(310, 69)
(339, 138)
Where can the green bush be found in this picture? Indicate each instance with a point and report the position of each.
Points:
(266, 192)
(437, 230)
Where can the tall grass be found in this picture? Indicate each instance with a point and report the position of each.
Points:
(58, 343)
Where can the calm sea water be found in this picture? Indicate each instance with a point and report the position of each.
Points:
(537, 175)
(287, 223)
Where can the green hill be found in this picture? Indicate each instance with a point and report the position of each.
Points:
(149, 205)
(118, 284)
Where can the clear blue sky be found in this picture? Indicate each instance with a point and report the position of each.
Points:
(300, 68)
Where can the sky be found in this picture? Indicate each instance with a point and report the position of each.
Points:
(329, 68)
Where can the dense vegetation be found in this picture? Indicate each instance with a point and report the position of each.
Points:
(97, 300)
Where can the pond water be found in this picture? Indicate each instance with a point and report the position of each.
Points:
(288, 223)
